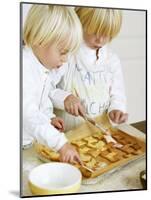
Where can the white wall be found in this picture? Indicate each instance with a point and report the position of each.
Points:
(130, 47)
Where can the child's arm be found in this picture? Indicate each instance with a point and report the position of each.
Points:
(41, 129)
(38, 125)
(64, 100)
(117, 108)
(35, 123)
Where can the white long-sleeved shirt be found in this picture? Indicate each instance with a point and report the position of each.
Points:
(98, 82)
(38, 84)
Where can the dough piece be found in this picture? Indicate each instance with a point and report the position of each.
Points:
(92, 145)
(84, 149)
(54, 156)
(129, 141)
(47, 153)
(112, 157)
(101, 165)
(136, 146)
(104, 153)
(119, 152)
(84, 157)
(137, 152)
(94, 153)
(110, 145)
(90, 139)
(100, 145)
(117, 137)
(127, 149)
(98, 136)
(127, 155)
(100, 159)
(104, 148)
(85, 172)
(78, 143)
(123, 141)
(91, 163)
(97, 145)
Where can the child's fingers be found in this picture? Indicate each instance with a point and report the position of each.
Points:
(111, 115)
(81, 111)
(58, 125)
(62, 124)
(78, 159)
(65, 158)
(71, 109)
(76, 113)
(74, 109)
(117, 116)
(74, 158)
(68, 108)
(123, 118)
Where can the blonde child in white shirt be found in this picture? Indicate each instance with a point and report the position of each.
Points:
(50, 32)
(94, 74)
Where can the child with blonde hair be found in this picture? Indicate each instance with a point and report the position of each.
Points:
(50, 33)
(94, 74)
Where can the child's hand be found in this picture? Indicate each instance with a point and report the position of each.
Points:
(69, 154)
(58, 123)
(73, 106)
(118, 116)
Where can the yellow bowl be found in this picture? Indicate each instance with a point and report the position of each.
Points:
(54, 178)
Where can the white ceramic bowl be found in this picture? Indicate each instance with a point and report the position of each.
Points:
(54, 178)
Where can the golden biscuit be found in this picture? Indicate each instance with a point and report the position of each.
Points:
(91, 163)
(101, 165)
(98, 135)
(90, 139)
(48, 153)
(84, 157)
(100, 144)
(111, 157)
(94, 153)
(92, 145)
(84, 149)
(78, 143)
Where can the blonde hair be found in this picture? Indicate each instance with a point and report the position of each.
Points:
(99, 21)
(52, 24)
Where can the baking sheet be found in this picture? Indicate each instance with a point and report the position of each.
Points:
(87, 129)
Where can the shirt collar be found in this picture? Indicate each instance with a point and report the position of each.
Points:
(90, 50)
(91, 53)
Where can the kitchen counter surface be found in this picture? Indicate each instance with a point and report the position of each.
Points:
(125, 178)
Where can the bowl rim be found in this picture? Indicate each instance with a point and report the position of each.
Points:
(54, 188)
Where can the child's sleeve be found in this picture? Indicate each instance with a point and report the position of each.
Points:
(35, 123)
(117, 89)
(58, 95)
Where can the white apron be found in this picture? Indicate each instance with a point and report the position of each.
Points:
(87, 78)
